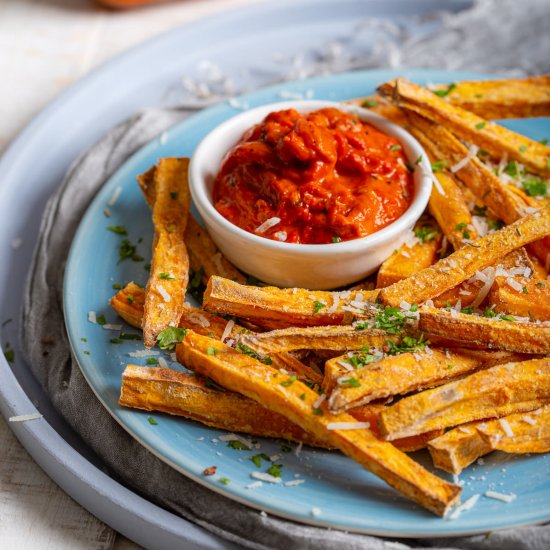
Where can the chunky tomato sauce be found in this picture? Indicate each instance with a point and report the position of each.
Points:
(325, 175)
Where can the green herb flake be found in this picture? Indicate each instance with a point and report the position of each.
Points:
(84, 339)
(151, 361)
(445, 92)
(390, 319)
(303, 397)
(9, 352)
(336, 239)
(224, 480)
(466, 234)
(237, 445)
(101, 320)
(439, 165)
(522, 148)
(418, 160)
(351, 382)
(289, 382)
(467, 310)
(275, 470)
(540, 284)
(543, 141)
(147, 267)
(369, 103)
(245, 350)
(152, 421)
(173, 195)
(211, 351)
(118, 229)
(480, 125)
(257, 459)
(508, 318)
(512, 169)
(408, 344)
(535, 187)
(489, 313)
(87, 352)
(524, 290)
(395, 148)
(167, 277)
(318, 306)
(461, 226)
(170, 228)
(483, 153)
(426, 233)
(317, 412)
(170, 336)
(286, 448)
(130, 299)
(495, 225)
(117, 286)
(130, 336)
(126, 251)
(449, 367)
(116, 341)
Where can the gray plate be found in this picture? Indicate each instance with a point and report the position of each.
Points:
(73, 122)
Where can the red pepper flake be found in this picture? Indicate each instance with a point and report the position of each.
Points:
(210, 471)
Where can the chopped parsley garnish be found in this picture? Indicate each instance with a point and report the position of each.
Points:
(84, 339)
(449, 367)
(418, 160)
(173, 194)
(211, 351)
(524, 290)
(361, 359)
(460, 226)
(508, 318)
(151, 361)
(286, 448)
(237, 445)
(130, 299)
(170, 228)
(535, 187)
(224, 480)
(303, 396)
(118, 229)
(130, 336)
(244, 349)
(426, 233)
(439, 165)
(167, 277)
(540, 284)
(395, 147)
(87, 352)
(116, 341)
(152, 421)
(480, 125)
(336, 239)
(257, 459)
(126, 251)
(489, 313)
(543, 141)
(512, 169)
(522, 148)
(289, 382)
(467, 310)
(409, 343)
(318, 306)
(9, 352)
(101, 320)
(495, 224)
(318, 412)
(369, 103)
(275, 470)
(170, 336)
(445, 92)
(116, 286)
(351, 382)
(391, 319)
(147, 267)
(482, 153)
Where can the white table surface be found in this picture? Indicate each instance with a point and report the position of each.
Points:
(46, 45)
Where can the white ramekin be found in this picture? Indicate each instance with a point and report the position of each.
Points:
(313, 266)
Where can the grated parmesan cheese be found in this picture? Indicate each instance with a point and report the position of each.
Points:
(163, 293)
(472, 152)
(315, 511)
(280, 236)
(468, 505)
(529, 420)
(513, 284)
(92, 317)
(501, 496)
(227, 330)
(294, 482)
(254, 485)
(232, 437)
(114, 197)
(108, 326)
(506, 427)
(163, 363)
(319, 400)
(199, 319)
(144, 353)
(268, 224)
(262, 476)
(24, 417)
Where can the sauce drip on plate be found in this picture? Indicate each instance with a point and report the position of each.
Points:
(313, 178)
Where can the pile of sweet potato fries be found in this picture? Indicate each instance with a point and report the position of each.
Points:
(446, 348)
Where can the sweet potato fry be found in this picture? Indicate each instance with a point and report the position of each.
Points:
(458, 448)
(203, 253)
(496, 139)
(463, 263)
(274, 307)
(173, 392)
(409, 259)
(495, 392)
(304, 407)
(342, 338)
(167, 284)
(519, 433)
(129, 303)
(405, 373)
(381, 106)
(526, 298)
(494, 333)
(497, 99)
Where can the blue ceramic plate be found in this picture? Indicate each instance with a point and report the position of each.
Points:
(336, 492)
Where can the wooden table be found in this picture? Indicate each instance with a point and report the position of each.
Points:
(46, 45)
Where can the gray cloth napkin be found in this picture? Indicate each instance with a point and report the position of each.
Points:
(44, 339)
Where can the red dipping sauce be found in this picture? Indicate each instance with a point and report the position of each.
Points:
(327, 176)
